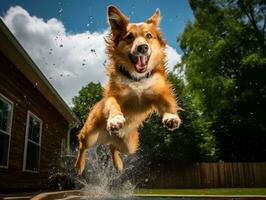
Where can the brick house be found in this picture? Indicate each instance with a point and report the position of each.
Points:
(35, 122)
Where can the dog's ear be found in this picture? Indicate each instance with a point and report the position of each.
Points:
(155, 18)
(118, 21)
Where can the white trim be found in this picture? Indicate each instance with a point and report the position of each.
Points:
(29, 140)
(70, 127)
(10, 129)
(7, 133)
(68, 140)
(63, 147)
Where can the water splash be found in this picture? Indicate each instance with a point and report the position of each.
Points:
(99, 179)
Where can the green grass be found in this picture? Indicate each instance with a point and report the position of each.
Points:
(207, 191)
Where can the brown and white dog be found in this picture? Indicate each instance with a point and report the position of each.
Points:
(137, 87)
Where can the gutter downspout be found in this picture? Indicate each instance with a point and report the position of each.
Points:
(70, 127)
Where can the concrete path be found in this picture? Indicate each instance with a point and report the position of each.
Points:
(76, 193)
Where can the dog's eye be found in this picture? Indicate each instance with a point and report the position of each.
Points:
(148, 36)
(129, 37)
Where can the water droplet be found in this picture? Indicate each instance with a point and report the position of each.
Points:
(36, 85)
(93, 51)
(60, 45)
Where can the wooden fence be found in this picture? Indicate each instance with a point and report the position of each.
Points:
(208, 175)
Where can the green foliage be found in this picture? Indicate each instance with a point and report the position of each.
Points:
(187, 143)
(87, 97)
(222, 89)
(225, 59)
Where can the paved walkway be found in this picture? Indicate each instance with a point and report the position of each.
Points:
(58, 194)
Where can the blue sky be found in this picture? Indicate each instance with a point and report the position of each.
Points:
(66, 38)
(77, 14)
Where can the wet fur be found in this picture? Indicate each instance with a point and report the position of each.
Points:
(127, 103)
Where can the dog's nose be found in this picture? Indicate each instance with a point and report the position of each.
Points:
(143, 48)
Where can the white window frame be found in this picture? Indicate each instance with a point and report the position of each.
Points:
(10, 129)
(30, 114)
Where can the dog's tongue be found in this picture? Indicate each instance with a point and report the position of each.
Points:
(141, 64)
(142, 61)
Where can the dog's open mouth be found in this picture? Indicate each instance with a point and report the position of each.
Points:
(140, 62)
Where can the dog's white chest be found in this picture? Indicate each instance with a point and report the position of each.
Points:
(139, 87)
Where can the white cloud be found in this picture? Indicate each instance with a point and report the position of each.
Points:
(172, 57)
(68, 60)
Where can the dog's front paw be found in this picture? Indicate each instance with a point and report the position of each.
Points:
(171, 121)
(115, 123)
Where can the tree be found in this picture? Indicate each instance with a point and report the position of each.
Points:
(84, 101)
(185, 144)
(224, 57)
(188, 143)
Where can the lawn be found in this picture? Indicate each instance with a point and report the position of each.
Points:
(207, 191)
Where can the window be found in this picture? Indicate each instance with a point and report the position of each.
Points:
(32, 143)
(6, 112)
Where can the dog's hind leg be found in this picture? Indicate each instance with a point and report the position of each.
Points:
(128, 146)
(131, 142)
(118, 163)
(86, 140)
